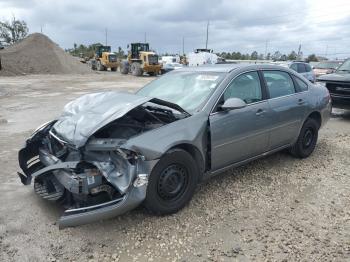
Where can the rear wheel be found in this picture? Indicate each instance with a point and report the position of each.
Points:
(136, 69)
(172, 183)
(307, 139)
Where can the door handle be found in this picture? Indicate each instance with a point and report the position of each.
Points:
(260, 112)
(301, 101)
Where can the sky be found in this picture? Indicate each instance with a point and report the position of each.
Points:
(319, 26)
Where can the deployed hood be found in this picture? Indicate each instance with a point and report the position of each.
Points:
(338, 77)
(84, 116)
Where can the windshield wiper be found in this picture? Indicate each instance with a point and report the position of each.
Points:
(344, 70)
(171, 105)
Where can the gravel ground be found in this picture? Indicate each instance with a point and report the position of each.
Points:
(274, 209)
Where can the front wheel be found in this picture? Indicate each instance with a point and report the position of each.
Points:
(172, 183)
(307, 139)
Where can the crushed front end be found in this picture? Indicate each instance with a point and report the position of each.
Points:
(94, 182)
(82, 159)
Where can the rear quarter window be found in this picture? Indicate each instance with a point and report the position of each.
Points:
(301, 86)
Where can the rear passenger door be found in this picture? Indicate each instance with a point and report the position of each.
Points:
(287, 106)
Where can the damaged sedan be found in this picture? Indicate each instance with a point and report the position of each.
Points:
(110, 152)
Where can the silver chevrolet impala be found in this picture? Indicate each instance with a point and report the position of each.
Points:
(110, 152)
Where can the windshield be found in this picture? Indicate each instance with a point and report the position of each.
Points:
(189, 90)
(328, 65)
(345, 66)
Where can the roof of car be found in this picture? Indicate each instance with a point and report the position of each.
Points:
(226, 68)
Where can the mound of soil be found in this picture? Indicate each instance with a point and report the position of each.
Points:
(38, 54)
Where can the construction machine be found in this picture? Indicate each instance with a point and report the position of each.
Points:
(104, 59)
(140, 59)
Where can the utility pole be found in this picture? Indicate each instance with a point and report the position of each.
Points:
(299, 52)
(106, 35)
(41, 29)
(145, 37)
(326, 51)
(183, 45)
(206, 42)
(266, 43)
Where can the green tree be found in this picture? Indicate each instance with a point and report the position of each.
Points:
(254, 55)
(312, 58)
(13, 31)
(268, 56)
(292, 56)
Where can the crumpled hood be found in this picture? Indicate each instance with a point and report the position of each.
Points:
(343, 77)
(84, 116)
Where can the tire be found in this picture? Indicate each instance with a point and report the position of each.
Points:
(124, 68)
(100, 67)
(172, 183)
(113, 69)
(307, 139)
(152, 73)
(136, 69)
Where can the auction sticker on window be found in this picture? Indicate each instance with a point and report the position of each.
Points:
(207, 77)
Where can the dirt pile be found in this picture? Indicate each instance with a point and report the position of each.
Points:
(38, 54)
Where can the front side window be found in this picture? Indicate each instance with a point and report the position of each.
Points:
(246, 87)
(278, 83)
(308, 68)
(294, 67)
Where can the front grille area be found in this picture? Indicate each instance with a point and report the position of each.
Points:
(342, 89)
(152, 59)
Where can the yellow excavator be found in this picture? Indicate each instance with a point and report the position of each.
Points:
(141, 60)
(104, 59)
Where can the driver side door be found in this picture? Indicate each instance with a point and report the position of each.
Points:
(240, 134)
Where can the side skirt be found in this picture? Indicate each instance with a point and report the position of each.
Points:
(210, 174)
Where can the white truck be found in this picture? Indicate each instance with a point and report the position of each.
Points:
(202, 57)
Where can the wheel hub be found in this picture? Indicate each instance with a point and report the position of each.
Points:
(308, 138)
(172, 182)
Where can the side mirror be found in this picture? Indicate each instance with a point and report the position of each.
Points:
(233, 103)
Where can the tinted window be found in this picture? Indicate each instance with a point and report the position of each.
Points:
(302, 86)
(278, 83)
(294, 67)
(308, 68)
(301, 68)
(246, 87)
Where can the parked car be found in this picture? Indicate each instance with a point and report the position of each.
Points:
(302, 68)
(167, 67)
(338, 85)
(326, 67)
(109, 152)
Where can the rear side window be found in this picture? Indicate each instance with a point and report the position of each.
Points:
(301, 85)
(279, 83)
(308, 68)
(301, 68)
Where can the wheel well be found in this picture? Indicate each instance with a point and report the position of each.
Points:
(195, 153)
(317, 117)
